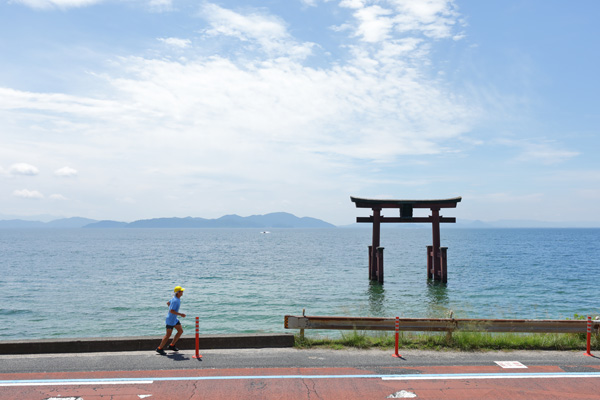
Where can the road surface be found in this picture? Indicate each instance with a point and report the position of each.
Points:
(301, 374)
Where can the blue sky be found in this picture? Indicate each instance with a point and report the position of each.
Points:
(138, 109)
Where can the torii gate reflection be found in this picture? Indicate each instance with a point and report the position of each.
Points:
(436, 255)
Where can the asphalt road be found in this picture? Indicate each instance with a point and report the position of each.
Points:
(284, 358)
(300, 374)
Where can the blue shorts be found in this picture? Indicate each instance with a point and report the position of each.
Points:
(173, 326)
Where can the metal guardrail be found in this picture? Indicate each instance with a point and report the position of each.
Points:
(440, 324)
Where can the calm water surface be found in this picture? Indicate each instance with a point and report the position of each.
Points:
(115, 282)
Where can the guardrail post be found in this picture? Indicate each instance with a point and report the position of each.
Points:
(197, 355)
(397, 338)
(302, 330)
(589, 337)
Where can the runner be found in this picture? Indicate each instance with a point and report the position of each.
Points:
(172, 322)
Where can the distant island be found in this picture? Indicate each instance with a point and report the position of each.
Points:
(272, 220)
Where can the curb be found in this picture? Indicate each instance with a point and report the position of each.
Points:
(142, 343)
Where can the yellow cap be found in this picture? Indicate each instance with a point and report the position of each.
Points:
(178, 289)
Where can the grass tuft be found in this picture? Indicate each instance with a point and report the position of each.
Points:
(461, 341)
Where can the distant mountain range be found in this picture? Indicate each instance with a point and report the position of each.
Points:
(273, 220)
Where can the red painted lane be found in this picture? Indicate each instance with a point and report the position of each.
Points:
(307, 388)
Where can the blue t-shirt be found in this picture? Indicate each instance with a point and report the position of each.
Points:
(172, 318)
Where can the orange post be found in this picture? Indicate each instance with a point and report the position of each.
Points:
(397, 337)
(197, 338)
(589, 337)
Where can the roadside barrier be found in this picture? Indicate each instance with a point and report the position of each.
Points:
(197, 338)
(439, 324)
(397, 338)
(444, 325)
(589, 337)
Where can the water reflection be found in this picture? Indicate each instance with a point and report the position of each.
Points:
(376, 298)
(437, 300)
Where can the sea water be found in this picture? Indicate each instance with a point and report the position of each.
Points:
(67, 283)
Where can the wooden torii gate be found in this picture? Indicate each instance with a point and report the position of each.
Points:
(436, 255)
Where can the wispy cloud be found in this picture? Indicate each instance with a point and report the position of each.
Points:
(176, 42)
(63, 4)
(11, 99)
(28, 194)
(160, 5)
(66, 172)
(23, 169)
(543, 151)
(258, 124)
(376, 21)
(378, 106)
(266, 31)
(153, 5)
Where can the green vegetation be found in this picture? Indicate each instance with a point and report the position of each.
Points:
(462, 341)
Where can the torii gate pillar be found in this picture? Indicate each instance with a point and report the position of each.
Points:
(373, 261)
(436, 255)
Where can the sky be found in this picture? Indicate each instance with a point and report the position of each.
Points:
(127, 110)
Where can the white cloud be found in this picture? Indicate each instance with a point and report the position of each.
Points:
(151, 5)
(547, 155)
(63, 4)
(268, 31)
(11, 99)
(349, 110)
(66, 172)
(245, 27)
(176, 42)
(377, 106)
(376, 20)
(23, 169)
(356, 4)
(238, 125)
(543, 151)
(28, 194)
(374, 23)
(259, 125)
(59, 197)
(435, 18)
(161, 5)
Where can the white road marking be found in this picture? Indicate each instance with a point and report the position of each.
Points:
(551, 375)
(64, 398)
(72, 383)
(403, 394)
(510, 364)
(408, 377)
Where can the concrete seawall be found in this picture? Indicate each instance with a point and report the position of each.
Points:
(141, 343)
